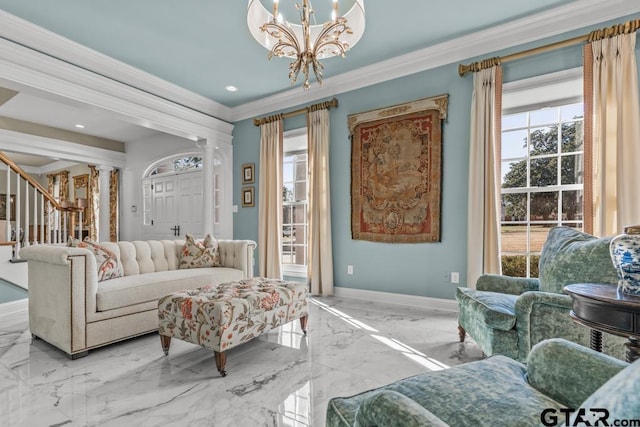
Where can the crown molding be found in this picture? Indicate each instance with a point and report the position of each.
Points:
(560, 20)
(49, 43)
(49, 147)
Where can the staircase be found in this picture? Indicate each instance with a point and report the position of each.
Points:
(29, 215)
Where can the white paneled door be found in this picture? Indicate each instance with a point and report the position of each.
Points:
(173, 206)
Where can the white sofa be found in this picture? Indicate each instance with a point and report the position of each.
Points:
(71, 310)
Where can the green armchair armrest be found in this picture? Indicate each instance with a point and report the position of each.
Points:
(390, 408)
(506, 284)
(551, 369)
(544, 315)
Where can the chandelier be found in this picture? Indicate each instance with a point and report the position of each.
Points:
(304, 42)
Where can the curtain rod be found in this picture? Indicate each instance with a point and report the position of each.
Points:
(626, 28)
(315, 107)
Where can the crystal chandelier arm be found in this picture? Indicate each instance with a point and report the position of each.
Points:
(284, 36)
(330, 36)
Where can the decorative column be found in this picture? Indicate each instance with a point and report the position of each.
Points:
(208, 165)
(114, 202)
(94, 202)
(105, 199)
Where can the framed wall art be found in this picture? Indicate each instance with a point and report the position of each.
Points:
(396, 176)
(247, 197)
(248, 173)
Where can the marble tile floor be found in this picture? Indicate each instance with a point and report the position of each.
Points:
(282, 378)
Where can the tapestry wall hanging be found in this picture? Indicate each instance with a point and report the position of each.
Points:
(396, 156)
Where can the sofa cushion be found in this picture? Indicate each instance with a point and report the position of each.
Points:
(107, 263)
(136, 289)
(493, 309)
(200, 253)
(571, 256)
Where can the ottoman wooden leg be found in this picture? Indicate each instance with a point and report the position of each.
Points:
(461, 333)
(221, 360)
(303, 323)
(166, 343)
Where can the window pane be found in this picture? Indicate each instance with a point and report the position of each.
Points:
(543, 117)
(301, 171)
(287, 254)
(514, 121)
(514, 174)
(287, 170)
(287, 192)
(514, 144)
(544, 140)
(301, 191)
(514, 207)
(572, 169)
(537, 236)
(571, 111)
(544, 206)
(572, 137)
(544, 172)
(514, 265)
(572, 202)
(299, 214)
(514, 238)
(286, 215)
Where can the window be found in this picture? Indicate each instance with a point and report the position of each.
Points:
(181, 164)
(294, 204)
(542, 175)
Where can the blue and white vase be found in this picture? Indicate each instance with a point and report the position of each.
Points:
(625, 253)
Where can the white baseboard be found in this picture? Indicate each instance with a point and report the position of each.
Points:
(14, 307)
(398, 299)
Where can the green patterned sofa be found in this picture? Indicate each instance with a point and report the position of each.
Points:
(499, 391)
(508, 315)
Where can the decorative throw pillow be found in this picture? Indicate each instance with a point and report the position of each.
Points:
(200, 253)
(109, 266)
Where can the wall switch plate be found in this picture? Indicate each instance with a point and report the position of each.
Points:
(349, 269)
(455, 277)
(234, 208)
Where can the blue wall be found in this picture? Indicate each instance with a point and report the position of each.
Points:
(413, 269)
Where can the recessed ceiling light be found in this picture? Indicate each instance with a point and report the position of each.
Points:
(80, 126)
(231, 88)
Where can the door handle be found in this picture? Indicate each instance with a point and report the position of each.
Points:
(176, 230)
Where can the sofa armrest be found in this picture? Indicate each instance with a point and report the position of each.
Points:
(388, 407)
(506, 284)
(568, 372)
(238, 254)
(63, 283)
(52, 254)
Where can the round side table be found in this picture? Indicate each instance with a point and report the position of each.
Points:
(603, 309)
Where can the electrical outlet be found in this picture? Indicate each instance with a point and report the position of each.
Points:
(349, 269)
(455, 277)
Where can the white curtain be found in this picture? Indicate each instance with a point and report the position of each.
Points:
(615, 135)
(483, 223)
(270, 201)
(320, 262)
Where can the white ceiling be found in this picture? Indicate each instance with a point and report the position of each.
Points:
(204, 45)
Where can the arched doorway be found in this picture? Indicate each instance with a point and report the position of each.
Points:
(172, 191)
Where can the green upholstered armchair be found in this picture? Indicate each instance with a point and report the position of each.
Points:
(508, 315)
(499, 391)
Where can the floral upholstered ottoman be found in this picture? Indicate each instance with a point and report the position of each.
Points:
(224, 316)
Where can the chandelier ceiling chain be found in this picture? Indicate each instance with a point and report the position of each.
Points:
(306, 43)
